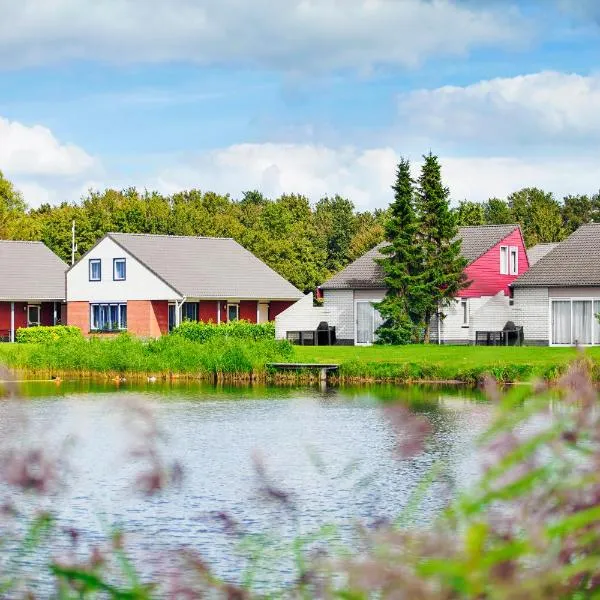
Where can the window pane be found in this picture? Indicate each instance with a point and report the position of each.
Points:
(465, 312)
(95, 270)
(114, 316)
(120, 269)
(514, 261)
(364, 323)
(95, 316)
(582, 321)
(503, 260)
(123, 316)
(561, 322)
(189, 311)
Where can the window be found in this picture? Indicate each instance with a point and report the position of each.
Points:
(233, 312)
(503, 260)
(95, 266)
(108, 317)
(514, 260)
(574, 321)
(464, 311)
(119, 273)
(172, 319)
(189, 311)
(33, 315)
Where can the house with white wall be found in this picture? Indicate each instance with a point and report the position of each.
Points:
(557, 299)
(496, 256)
(147, 284)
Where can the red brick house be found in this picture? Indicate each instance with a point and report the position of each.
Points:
(32, 287)
(148, 284)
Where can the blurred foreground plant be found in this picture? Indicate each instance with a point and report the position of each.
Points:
(530, 528)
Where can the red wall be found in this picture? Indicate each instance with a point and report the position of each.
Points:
(209, 311)
(484, 273)
(248, 310)
(278, 306)
(161, 315)
(20, 315)
(4, 316)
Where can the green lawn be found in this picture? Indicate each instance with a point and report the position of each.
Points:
(465, 363)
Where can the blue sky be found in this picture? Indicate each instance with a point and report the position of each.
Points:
(314, 96)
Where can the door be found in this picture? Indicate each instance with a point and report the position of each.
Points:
(33, 315)
(368, 321)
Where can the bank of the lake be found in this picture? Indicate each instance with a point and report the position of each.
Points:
(172, 357)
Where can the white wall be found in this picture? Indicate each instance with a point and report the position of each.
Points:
(303, 316)
(140, 284)
(531, 310)
(342, 303)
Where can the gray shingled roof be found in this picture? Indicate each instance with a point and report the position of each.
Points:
(30, 271)
(203, 267)
(574, 262)
(365, 273)
(538, 252)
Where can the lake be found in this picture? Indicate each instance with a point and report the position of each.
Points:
(332, 451)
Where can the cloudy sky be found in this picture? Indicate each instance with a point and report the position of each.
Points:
(310, 96)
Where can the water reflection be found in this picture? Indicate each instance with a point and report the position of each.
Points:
(332, 450)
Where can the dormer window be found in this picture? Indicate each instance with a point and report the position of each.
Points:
(503, 260)
(119, 269)
(514, 260)
(95, 269)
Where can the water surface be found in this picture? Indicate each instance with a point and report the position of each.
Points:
(333, 451)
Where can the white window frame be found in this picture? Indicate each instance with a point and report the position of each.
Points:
(465, 311)
(504, 260)
(571, 299)
(120, 306)
(237, 310)
(39, 315)
(119, 260)
(513, 252)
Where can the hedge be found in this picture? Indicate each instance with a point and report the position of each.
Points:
(43, 335)
(241, 330)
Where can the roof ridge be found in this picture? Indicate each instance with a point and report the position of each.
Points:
(168, 235)
(23, 242)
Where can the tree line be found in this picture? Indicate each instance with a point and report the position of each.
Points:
(304, 242)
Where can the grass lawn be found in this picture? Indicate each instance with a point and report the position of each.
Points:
(465, 363)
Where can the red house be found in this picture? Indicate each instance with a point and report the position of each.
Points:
(32, 287)
(496, 256)
(148, 284)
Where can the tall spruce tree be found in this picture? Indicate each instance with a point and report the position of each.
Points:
(401, 263)
(443, 275)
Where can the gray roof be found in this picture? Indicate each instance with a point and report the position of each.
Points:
(573, 262)
(30, 271)
(204, 267)
(538, 252)
(365, 273)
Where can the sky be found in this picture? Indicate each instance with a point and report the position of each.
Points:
(318, 97)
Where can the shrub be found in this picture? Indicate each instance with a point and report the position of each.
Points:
(43, 335)
(241, 330)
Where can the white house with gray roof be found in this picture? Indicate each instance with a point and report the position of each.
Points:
(496, 256)
(32, 287)
(147, 284)
(558, 299)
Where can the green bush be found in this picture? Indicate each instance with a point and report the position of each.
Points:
(43, 335)
(240, 330)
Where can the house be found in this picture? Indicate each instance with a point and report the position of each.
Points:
(496, 257)
(148, 284)
(538, 252)
(558, 299)
(32, 288)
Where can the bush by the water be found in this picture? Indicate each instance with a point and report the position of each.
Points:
(169, 354)
(43, 334)
(241, 330)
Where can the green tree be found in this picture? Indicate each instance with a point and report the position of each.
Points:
(401, 263)
(579, 210)
(470, 213)
(539, 215)
(336, 223)
(443, 275)
(497, 212)
(12, 208)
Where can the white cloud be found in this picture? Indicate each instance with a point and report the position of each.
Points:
(34, 150)
(365, 176)
(538, 109)
(293, 35)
